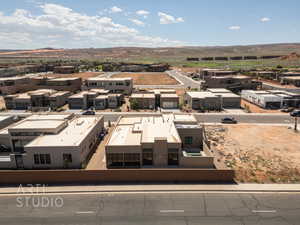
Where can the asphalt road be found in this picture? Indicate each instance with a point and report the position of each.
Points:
(187, 82)
(216, 118)
(201, 117)
(154, 208)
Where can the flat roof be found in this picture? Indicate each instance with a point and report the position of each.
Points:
(60, 93)
(140, 95)
(228, 95)
(169, 96)
(218, 90)
(292, 78)
(201, 94)
(49, 116)
(3, 118)
(101, 97)
(108, 79)
(38, 124)
(133, 131)
(63, 78)
(184, 118)
(123, 135)
(76, 131)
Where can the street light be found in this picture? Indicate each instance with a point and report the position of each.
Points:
(295, 114)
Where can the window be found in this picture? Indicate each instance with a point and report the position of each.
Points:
(41, 159)
(188, 140)
(67, 158)
(36, 159)
(93, 84)
(132, 160)
(173, 157)
(147, 157)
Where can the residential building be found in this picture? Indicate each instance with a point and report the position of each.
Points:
(114, 85)
(272, 99)
(215, 73)
(95, 98)
(151, 99)
(51, 141)
(143, 101)
(234, 83)
(12, 85)
(289, 74)
(42, 99)
(212, 99)
(65, 69)
(169, 101)
(166, 140)
(60, 84)
(291, 81)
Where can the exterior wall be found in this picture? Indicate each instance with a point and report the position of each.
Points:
(12, 86)
(56, 155)
(9, 165)
(197, 161)
(100, 103)
(76, 103)
(59, 85)
(79, 153)
(287, 81)
(231, 102)
(175, 102)
(144, 103)
(7, 122)
(160, 153)
(111, 84)
(88, 144)
(195, 133)
(58, 101)
(116, 175)
(209, 103)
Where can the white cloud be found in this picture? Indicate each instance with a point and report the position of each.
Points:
(137, 22)
(143, 13)
(59, 26)
(265, 19)
(234, 28)
(115, 9)
(168, 19)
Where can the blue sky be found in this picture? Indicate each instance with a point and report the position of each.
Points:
(28, 24)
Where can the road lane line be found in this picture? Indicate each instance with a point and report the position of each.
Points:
(85, 212)
(171, 211)
(264, 211)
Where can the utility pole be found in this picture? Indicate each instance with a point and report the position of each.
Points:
(296, 124)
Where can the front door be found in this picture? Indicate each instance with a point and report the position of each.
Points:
(19, 161)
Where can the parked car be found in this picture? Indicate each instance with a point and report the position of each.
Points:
(289, 109)
(229, 120)
(89, 113)
(295, 113)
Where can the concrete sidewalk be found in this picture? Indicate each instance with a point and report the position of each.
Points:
(151, 188)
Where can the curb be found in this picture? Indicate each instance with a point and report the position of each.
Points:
(155, 190)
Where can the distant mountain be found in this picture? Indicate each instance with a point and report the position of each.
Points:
(157, 54)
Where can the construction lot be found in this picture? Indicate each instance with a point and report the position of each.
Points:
(258, 153)
(149, 78)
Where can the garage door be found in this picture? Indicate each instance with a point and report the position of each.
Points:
(169, 105)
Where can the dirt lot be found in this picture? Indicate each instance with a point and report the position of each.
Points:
(84, 75)
(260, 154)
(149, 78)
